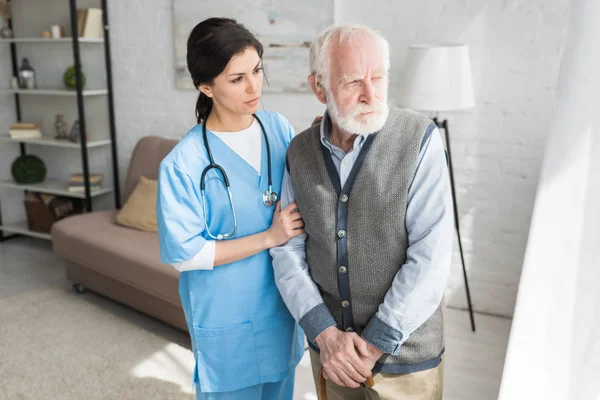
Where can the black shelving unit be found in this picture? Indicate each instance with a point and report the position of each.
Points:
(84, 145)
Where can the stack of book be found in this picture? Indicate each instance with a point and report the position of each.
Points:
(77, 183)
(25, 130)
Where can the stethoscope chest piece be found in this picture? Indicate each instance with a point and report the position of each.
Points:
(270, 197)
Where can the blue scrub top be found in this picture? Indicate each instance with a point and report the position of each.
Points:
(242, 333)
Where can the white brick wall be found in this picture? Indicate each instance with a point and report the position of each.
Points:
(497, 147)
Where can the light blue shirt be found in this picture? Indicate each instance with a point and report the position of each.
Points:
(418, 287)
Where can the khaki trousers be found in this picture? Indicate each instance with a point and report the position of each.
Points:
(422, 385)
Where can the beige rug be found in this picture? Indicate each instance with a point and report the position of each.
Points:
(56, 345)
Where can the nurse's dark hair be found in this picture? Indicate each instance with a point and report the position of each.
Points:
(212, 43)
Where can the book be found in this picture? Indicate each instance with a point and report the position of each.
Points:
(25, 134)
(25, 125)
(94, 24)
(81, 188)
(78, 178)
(77, 184)
(81, 17)
(90, 23)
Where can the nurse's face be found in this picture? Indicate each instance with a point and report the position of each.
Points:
(239, 87)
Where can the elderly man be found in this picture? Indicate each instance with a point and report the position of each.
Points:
(366, 281)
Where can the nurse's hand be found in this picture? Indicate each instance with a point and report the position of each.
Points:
(287, 223)
(342, 357)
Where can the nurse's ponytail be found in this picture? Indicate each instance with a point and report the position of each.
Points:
(203, 107)
(212, 43)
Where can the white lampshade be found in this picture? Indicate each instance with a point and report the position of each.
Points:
(437, 77)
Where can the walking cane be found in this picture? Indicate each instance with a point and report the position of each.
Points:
(322, 389)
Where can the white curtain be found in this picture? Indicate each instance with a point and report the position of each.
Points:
(554, 346)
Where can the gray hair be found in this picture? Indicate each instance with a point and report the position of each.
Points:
(320, 49)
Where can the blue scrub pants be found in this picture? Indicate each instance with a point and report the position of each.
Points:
(282, 390)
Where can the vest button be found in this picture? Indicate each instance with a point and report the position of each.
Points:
(344, 198)
(345, 304)
(349, 330)
(341, 233)
(342, 269)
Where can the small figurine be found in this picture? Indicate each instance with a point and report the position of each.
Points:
(61, 127)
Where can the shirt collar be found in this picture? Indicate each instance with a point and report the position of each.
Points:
(325, 133)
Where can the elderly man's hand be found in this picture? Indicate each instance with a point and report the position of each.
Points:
(373, 354)
(344, 357)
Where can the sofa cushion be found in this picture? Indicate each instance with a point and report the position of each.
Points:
(145, 159)
(131, 256)
(139, 211)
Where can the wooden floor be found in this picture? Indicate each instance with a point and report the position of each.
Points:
(473, 361)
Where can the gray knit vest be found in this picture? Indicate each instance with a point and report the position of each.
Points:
(357, 239)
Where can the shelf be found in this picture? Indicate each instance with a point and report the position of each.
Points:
(54, 92)
(49, 40)
(51, 142)
(53, 186)
(21, 228)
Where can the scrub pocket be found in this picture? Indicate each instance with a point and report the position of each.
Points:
(226, 358)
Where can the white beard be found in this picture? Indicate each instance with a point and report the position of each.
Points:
(350, 124)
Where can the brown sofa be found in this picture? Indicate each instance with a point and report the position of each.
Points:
(118, 262)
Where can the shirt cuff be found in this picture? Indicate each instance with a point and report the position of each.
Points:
(316, 321)
(383, 336)
(203, 260)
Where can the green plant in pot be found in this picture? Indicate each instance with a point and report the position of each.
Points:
(70, 78)
(28, 169)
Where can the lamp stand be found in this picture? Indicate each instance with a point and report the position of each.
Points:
(444, 125)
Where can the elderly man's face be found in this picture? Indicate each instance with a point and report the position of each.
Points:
(357, 93)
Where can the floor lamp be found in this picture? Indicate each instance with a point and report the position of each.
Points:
(437, 78)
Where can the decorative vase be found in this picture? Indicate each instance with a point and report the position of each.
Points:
(28, 169)
(70, 78)
(26, 75)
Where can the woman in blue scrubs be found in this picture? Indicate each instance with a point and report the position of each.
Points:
(245, 342)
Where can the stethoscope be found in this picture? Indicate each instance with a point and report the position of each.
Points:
(269, 196)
